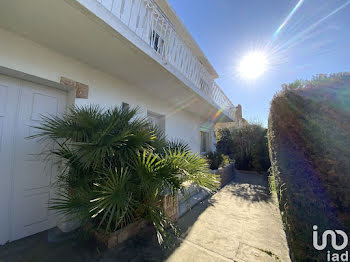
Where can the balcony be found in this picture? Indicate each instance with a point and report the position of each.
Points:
(149, 23)
(131, 40)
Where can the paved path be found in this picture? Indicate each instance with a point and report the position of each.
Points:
(239, 223)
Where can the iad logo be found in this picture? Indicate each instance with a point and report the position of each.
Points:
(333, 236)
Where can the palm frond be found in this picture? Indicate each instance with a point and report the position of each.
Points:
(191, 167)
(114, 206)
(73, 204)
(178, 145)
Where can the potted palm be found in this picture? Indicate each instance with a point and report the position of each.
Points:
(117, 170)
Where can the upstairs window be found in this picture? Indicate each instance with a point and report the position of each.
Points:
(157, 42)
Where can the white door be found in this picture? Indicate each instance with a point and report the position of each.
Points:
(8, 103)
(31, 174)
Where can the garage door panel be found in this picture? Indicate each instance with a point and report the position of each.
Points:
(38, 211)
(43, 105)
(37, 175)
(26, 172)
(3, 100)
(1, 131)
(34, 149)
(3, 105)
(33, 172)
(8, 101)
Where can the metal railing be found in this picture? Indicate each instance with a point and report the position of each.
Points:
(146, 19)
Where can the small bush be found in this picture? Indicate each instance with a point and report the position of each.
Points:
(246, 144)
(217, 160)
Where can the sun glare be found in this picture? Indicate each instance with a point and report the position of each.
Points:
(253, 65)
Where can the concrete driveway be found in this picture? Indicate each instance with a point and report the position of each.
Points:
(239, 223)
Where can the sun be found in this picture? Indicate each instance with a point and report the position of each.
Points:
(253, 65)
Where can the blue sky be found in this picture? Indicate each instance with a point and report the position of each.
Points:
(315, 40)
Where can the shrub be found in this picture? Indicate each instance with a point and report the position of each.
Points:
(118, 167)
(246, 144)
(309, 130)
(217, 160)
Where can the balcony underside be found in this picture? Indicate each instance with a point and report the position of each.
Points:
(72, 30)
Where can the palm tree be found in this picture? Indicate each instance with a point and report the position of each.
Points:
(117, 166)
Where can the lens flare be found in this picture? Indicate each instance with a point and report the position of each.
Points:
(288, 18)
(253, 65)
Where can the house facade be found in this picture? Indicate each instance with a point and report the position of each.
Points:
(109, 52)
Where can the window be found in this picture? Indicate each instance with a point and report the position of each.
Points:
(205, 142)
(156, 119)
(125, 106)
(157, 42)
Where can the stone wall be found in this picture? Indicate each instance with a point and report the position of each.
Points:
(194, 194)
(226, 173)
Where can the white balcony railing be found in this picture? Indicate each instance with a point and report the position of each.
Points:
(146, 19)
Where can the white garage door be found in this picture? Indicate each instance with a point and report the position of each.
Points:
(26, 177)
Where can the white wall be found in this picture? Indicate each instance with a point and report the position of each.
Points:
(23, 55)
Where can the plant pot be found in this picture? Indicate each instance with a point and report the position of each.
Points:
(111, 240)
(169, 205)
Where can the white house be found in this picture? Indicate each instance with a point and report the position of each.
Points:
(54, 53)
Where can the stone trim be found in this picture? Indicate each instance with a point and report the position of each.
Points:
(82, 90)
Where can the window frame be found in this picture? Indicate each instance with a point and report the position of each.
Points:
(207, 144)
(160, 119)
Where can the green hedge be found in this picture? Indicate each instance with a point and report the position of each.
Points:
(247, 145)
(309, 144)
(217, 160)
